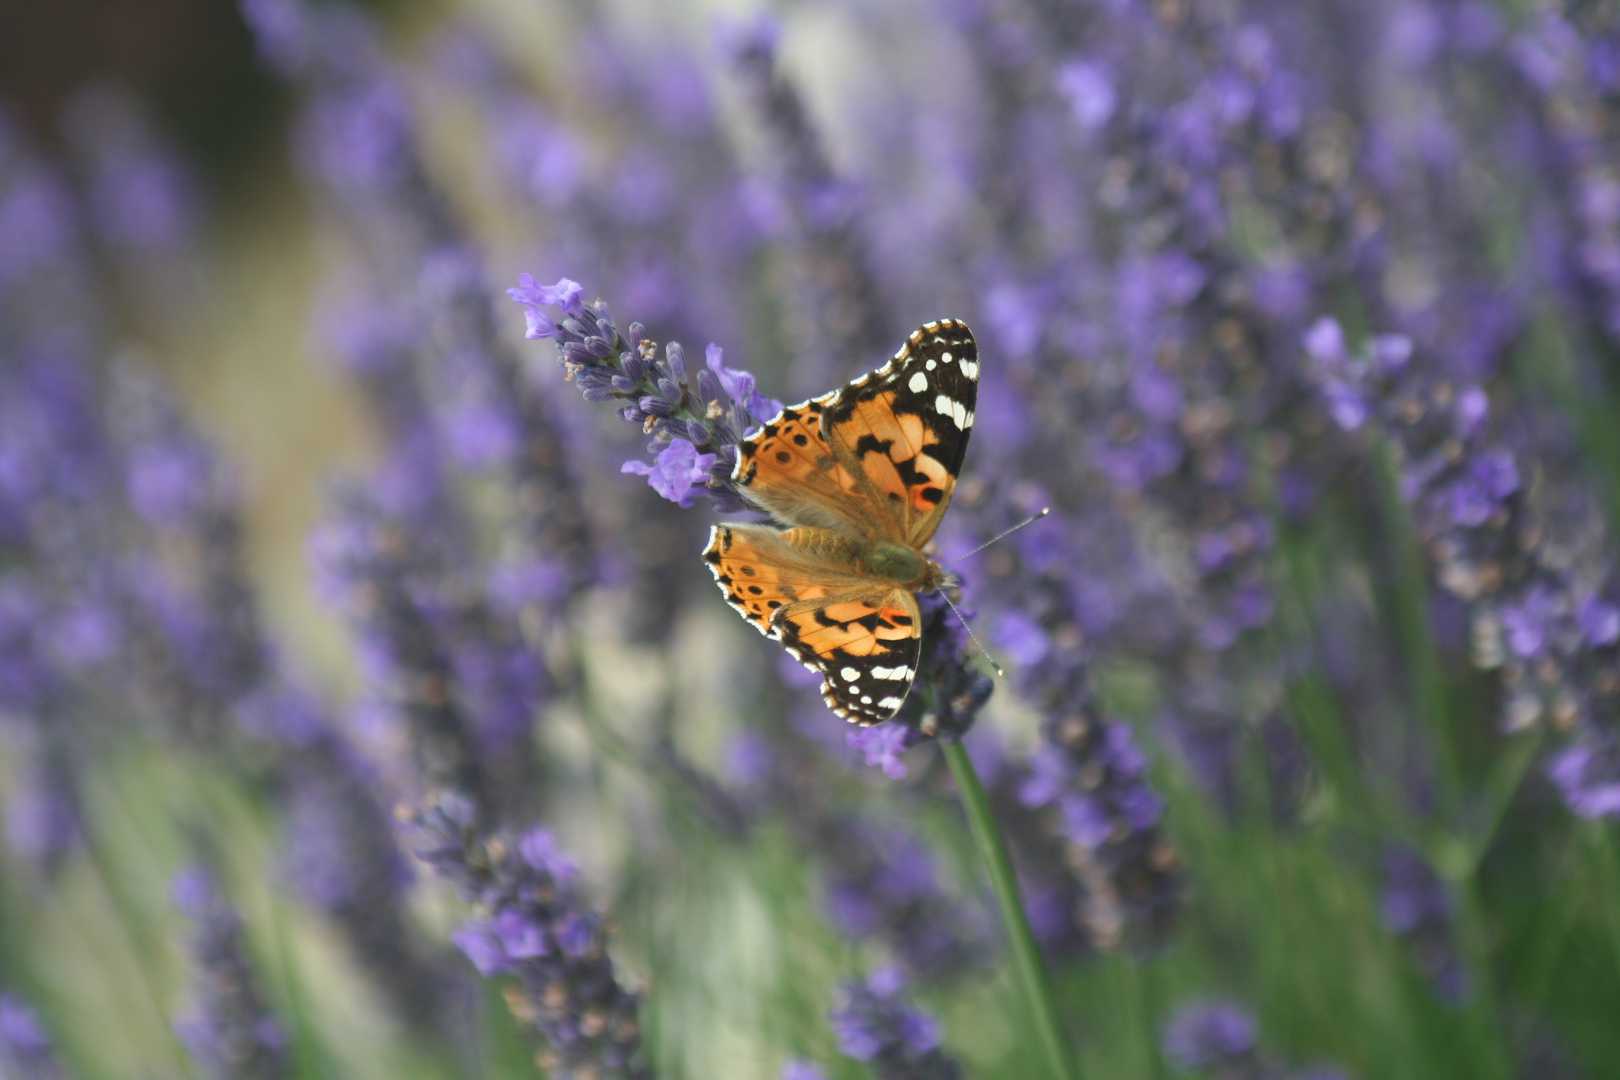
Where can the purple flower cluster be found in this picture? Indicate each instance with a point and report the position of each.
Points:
(875, 1025)
(369, 568)
(883, 884)
(1090, 776)
(228, 1030)
(25, 1047)
(1221, 1039)
(695, 420)
(1543, 613)
(1421, 910)
(532, 927)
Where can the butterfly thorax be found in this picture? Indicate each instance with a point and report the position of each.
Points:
(900, 563)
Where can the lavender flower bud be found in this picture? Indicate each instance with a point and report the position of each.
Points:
(708, 386)
(1216, 1036)
(876, 1026)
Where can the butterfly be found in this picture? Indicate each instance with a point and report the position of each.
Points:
(856, 482)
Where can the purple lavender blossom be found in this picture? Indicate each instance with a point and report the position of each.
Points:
(875, 1025)
(1221, 1039)
(369, 566)
(228, 1030)
(837, 310)
(1538, 622)
(677, 473)
(1418, 908)
(25, 1047)
(695, 419)
(533, 929)
(882, 884)
(1212, 1036)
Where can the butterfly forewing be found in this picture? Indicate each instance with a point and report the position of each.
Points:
(902, 431)
(787, 468)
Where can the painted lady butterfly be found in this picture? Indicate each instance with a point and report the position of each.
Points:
(856, 481)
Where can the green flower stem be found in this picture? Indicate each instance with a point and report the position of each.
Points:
(1028, 969)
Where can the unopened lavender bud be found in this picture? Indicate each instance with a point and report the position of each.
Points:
(632, 366)
(708, 386)
(624, 384)
(699, 434)
(598, 347)
(670, 391)
(637, 334)
(655, 406)
(676, 359)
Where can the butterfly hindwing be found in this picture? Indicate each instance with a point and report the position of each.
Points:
(862, 637)
(762, 571)
(866, 646)
(902, 431)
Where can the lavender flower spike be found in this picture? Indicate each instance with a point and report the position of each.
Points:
(899, 1042)
(229, 1031)
(533, 928)
(695, 420)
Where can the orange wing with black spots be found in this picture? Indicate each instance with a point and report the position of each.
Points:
(902, 431)
(788, 470)
(863, 637)
(874, 463)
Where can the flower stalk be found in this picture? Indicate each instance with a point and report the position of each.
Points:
(1029, 971)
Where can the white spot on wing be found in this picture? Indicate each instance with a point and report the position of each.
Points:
(890, 703)
(970, 369)
(958, 413)
(945, 358)
(918, 383)
(850, 674)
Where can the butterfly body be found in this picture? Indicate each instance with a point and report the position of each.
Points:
(856, 481)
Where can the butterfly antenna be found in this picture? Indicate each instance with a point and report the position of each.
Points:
(1036, 516)
(995, 666)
